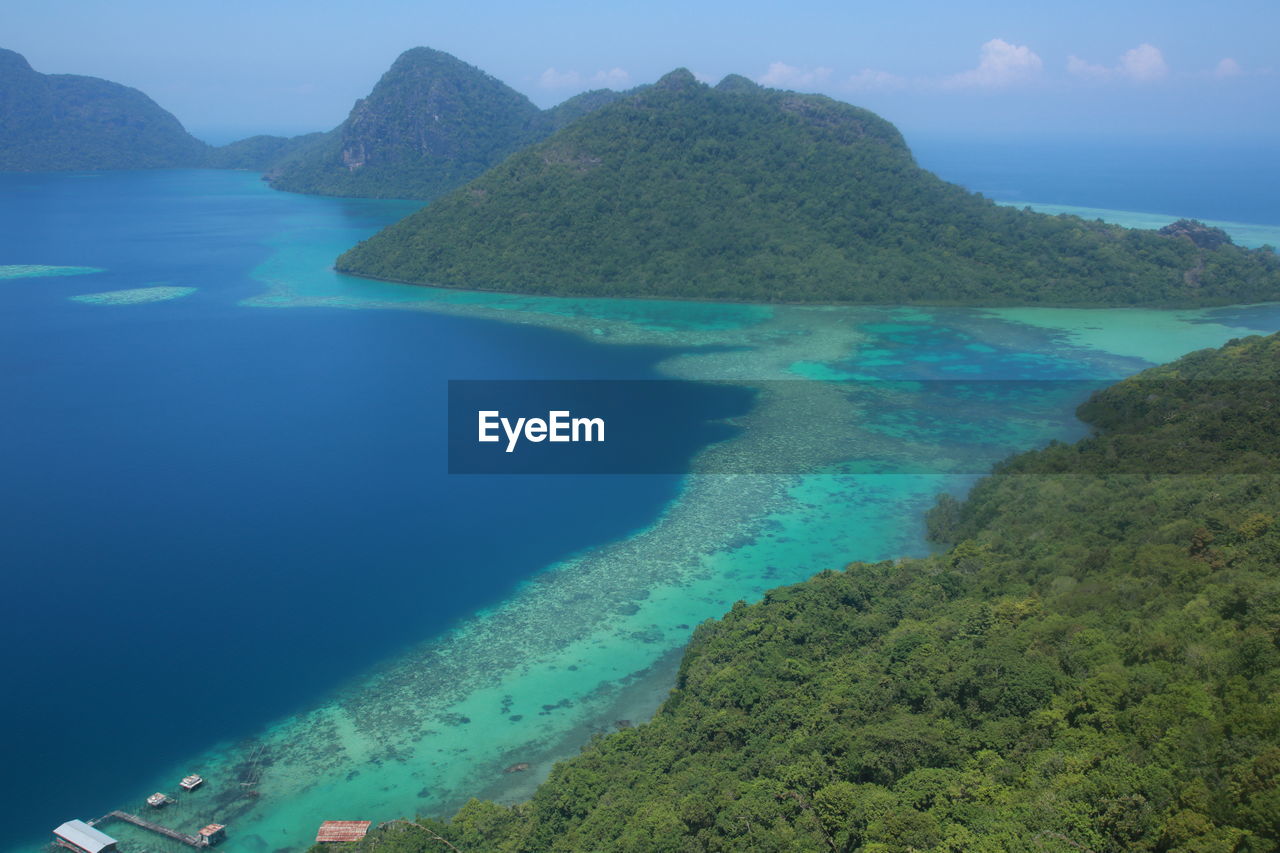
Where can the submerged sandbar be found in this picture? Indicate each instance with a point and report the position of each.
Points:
(8, 271)
(134, 295)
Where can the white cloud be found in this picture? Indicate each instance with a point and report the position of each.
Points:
(1000, 64)
(1080, 68)
(1228, 67)
(553, 79)
(556, 79)
(782, 75)
(1144, 64)
(871, 80)
(614, 78)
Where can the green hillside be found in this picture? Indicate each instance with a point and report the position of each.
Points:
(258, 153)
(1092, 666)
(568, 111)
(431, 123)
(741, 192)
(64, 122)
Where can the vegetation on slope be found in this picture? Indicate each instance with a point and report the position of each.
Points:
(1092, 666)
(64, 122)
(258, 153)
(569, 111)
(431, 123)
(741, 192)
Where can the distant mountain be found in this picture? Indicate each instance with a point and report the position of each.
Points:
(52, 122)
(431, 123)
(743, 192)
(259, 153)
(576, 107)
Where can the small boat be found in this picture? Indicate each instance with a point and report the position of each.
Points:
(158, 800)
(190, 783)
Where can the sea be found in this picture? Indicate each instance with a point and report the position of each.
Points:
(232, 545)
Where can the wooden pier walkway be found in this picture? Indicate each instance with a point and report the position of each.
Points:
(190, 840)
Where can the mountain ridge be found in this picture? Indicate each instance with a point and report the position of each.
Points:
(430, 123)
(61, 122)
(739, 192)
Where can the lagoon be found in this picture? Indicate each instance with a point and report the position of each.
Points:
(234, 548)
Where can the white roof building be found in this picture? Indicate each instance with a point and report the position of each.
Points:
(78, 835)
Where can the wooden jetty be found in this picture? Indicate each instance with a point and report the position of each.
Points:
(200, 841)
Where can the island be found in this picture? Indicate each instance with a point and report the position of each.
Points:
(739, 192)
(64, 122)
(71, 122)
(432, 123)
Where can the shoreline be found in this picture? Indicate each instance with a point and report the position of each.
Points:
(782, 303)
(369, 745)
(1244, 233)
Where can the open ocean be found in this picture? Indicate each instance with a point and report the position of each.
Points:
(229, 533)
(1230, 181)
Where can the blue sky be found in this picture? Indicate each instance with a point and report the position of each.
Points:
(997, 69)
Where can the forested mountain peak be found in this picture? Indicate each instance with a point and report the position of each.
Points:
(744, 192)
(430, 123)
(681, 79)
(13, 62)
(738, 83)
(52, 122)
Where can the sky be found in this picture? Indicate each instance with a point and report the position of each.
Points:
(1087, 68)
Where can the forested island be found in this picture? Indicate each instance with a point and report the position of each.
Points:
(52, 122)
(1091, 665)
(70, 122)
(682, 190)
(430, 124)
(672, 190)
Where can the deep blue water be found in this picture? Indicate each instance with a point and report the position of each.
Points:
(1232, 181)
(214, 514)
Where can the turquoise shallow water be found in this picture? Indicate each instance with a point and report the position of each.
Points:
(589, 641)
(1243, 233)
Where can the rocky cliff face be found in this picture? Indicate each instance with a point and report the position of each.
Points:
(431, 123)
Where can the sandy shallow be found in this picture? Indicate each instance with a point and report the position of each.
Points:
(594, 640)
(10, 271)
(134, 295)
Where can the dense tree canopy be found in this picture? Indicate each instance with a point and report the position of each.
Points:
(55, 122)
(741, 192)
(258, 153)
(67, 122)
(1092, 665)
(430, 124)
